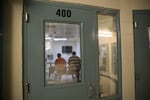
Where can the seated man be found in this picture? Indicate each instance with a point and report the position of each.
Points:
(74, 62)
(60, 65)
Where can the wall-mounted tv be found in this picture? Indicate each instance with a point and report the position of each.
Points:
(66, 49)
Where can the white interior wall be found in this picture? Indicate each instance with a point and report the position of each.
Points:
(57, 48)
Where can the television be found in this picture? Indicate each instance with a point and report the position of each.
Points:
(66, 49)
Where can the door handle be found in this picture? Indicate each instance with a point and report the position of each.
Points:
(91, 90)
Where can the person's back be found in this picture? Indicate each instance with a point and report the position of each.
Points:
(75, 63)
(74, 60)
(60, 60)
(60, 64)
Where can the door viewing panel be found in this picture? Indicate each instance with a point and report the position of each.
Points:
(61, 41)
(108, 69)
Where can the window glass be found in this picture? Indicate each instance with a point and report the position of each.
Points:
(108, 77)
(62, 53)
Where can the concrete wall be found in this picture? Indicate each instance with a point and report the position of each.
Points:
(15, 42)
(14, 70)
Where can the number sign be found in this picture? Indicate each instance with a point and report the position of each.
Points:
(63, 13)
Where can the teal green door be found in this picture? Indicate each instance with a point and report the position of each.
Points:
(49, 29)
(142, 54)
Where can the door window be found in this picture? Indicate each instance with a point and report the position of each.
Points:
(62, 53)
(108, 69)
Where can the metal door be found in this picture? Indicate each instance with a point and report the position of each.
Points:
(44, 22)
(142, 54)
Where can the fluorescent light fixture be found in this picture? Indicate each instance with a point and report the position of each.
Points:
(60, 39)
(48, 38)
(105, 34)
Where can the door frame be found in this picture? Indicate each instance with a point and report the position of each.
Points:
(99, 10)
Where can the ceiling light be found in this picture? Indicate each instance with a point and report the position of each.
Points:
(105, 34)
(60, 39)
(48, 38)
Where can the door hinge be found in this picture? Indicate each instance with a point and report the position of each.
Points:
(27, 87)
(135, 24)
(26, 17)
